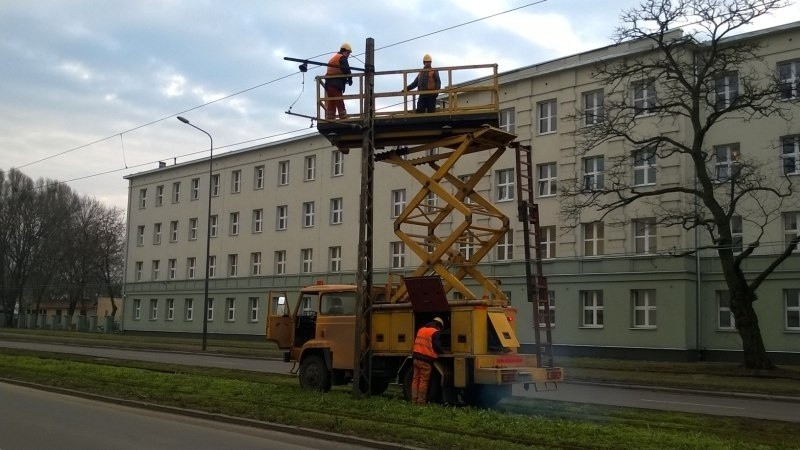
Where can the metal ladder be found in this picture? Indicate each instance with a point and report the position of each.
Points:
(538, 294)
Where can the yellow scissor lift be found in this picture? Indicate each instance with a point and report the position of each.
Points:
(482, 362)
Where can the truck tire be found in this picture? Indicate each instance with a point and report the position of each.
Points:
(485, 395)
(314, 374)
(378, 386)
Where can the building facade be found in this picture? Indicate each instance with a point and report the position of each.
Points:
(285, 215)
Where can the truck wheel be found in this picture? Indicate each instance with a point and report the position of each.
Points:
(484, 395)
(314, 375)
(378, 387)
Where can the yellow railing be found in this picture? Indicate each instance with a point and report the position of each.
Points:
(477, 95)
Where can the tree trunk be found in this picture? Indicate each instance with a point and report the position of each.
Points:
(755, 354)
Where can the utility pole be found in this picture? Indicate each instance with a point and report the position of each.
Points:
(362, 379)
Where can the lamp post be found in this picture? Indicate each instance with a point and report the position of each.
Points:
(208, 230)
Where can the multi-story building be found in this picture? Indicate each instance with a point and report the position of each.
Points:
(286, 214)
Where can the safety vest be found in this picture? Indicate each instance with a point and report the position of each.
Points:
(424, 342)
(427, 80)
(333, 65)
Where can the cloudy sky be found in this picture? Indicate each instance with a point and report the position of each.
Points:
(89, 88)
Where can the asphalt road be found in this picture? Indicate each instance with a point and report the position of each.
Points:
(39, 420)
(758, 407)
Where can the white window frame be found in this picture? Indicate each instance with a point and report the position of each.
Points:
(335, 259)
(157, 233)
(215, 185)
(397, 254)
(236, 181)
(188, 309)
(791, 299)
(234, 223)
(726, 158)
(137, 309)
(308, 214)
(724, 313)
(280, 262)
(644, 167)
(258, 220)
(143, 198)
(547, 182)
(283, 173)
(644, 97)
(789, 79)
(253, 308)
(212, 266)
(644, 309)
(176, 192)
(172, 268)
(230, 309)
(170, 309)
(593, 173)
(337, 163)
(644, 236)
(593, 107)
(191, 264)
(255, 263)
(153, 309)
(726, 90)
(737, 234)
(156, 269)
(173, 231)
(195, 195)
(210, 310)
(306, 260)
(552, 303)
(547, 115)
(281, 217)
(398, 202)
(139, 269)
(505, 246)
(214, 225)
(790, 153)
(258, 177)
(593, 239)
(159, 195)
(193, 224)
(337, 210)
(310, 168)
(592, 309)
(791, 227)
(140, 236)
(505, 182)
(233, 264)
(507, 120)
(548, 241)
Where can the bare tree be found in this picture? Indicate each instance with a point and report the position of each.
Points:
(691, 80)
(111, 252)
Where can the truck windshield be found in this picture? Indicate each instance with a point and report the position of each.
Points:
(338, 304)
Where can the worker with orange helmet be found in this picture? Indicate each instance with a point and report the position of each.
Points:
(334, 87)
(427, 80)
(427, 347)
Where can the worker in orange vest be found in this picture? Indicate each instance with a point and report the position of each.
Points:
(427, 347)
(334, 87)
(427, 80)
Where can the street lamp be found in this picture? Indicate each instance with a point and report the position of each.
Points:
(208, 230)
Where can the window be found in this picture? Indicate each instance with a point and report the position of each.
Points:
(283, 173)
(140, 235)
(335, 259)
(725, 159)
(215, 185)
(255, 263)
(507, 120)
(398, 202)
(233, 265)
(214, 223)
(156, 265)
(725, 320)
(548, 241)
(170, 309)
(310, 168)
(644, 97)
(191, 262)
(157, 234)
(188, 309)
(592, 305)
(236, 181)
(644, 308)
(159, 195)
(792, 299)
(791, 155)
(337, 164)
(308, 214)
(789, 78)
(176, 192)
(505, 246)
(281, 217)
(337, 210)
(230, 309)
(139, 269)
(644, 235)
(173, 231)
(307, 260)
(234, 224)
(593, 173)
(644, 167)
(465, 179)
(137, 308)
(195, 188)
(253, 303)
(172, 268)
(505, 184)
(726, 90)
(210, 310)
(467, 249)
(547, 116)
(397, 250)
(547, 179)
(212, 266)
(142, 198)
(791, 220)
(737, 234)
(430, 202)
(153, 309)
(552, 313)
(193, 228)
(258, 177)
(258, 220)
(593, 239)
(280, 262)
(593, 110)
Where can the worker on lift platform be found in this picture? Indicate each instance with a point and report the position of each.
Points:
(334, 87)
(427, 80)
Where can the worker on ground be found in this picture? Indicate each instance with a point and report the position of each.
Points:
(427, 80)
(334, 87)
(427, 347)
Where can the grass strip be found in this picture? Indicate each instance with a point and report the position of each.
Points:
(523, 423)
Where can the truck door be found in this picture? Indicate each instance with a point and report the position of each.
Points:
(279, 321)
